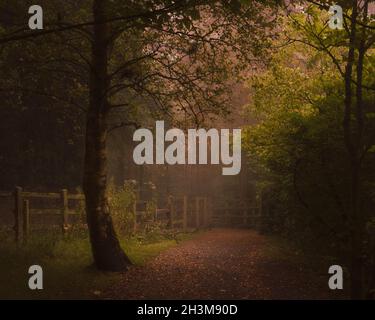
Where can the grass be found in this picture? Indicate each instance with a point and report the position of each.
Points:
(66, 263)
(279, 248)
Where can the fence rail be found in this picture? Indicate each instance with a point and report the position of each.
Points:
(5, 194)
(181, 212)
(23, 211)
(237, 213)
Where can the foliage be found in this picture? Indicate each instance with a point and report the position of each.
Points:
(121, 200)
(297, 148)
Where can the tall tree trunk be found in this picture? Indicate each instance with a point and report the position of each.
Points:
(106, 249)
(355, 265)
(356, 234)
(354, 144)
(358, 285)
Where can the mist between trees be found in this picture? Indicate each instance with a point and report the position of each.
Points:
(195, 151)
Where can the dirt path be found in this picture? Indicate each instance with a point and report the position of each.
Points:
(222, 264)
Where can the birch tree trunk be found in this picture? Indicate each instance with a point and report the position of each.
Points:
(106, 249)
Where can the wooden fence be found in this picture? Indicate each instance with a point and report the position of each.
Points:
(23, 211)
(189, 212)
(236, 213)
(181, 212)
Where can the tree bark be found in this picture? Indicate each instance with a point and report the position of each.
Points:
(354, 144)
(356, 234)
(357, 285)
(106, 249)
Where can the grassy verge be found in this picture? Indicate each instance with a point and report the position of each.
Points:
(313, 263)
(280, 249)
(66, 266)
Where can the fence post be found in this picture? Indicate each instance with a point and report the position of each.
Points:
(64, 209)
(208, 211)
(197, 212)
(82, 210)
(226, 216)
(245, 214)
(184, 213)
(171, 210)
(205, 212)
(26, 220)
(17, 213)
(260, 211)
(135, 215)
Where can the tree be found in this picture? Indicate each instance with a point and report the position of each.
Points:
(182, 65)
(297, 146)
(40, 96)
(357, 39)
(350, 52)
(168, 56)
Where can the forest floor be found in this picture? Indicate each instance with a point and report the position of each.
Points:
(227, 264)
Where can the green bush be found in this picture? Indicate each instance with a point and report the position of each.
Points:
(121, 201)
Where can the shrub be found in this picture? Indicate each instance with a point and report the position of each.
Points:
(121, 200)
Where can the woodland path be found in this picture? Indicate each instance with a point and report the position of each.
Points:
(223, 264)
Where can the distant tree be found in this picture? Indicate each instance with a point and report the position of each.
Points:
(43, 92)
